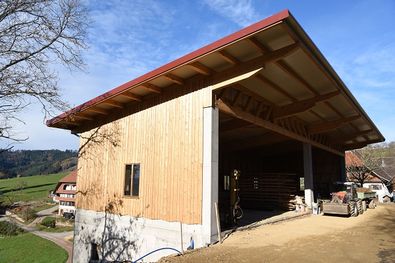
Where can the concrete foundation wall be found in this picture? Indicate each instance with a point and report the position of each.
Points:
(124, 238)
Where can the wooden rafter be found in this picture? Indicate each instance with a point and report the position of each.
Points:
(241, 114)
(83, 117)
(132, 96)
(274, 86)
(97, 110)
(152, 87)
(282, 65)
(174, 78)
(233, 124)
(330, 125)
(113, 103)
(200, 68)
(228, 57)
(301, 106)
(352, 136)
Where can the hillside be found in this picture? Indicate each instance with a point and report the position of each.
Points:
(32, 188)
(35, 162)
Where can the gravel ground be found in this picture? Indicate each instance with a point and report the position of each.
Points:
(367, 238)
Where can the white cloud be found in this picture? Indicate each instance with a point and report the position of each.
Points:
(241, 12)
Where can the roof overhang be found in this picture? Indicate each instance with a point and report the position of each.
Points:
(273, 60)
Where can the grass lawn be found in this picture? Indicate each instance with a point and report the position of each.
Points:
(30, 248)
(35, 188)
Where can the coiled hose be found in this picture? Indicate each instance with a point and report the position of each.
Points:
(156, 250)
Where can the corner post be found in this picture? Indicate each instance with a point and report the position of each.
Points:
(210, 173)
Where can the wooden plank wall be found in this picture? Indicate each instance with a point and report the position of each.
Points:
(167, 141)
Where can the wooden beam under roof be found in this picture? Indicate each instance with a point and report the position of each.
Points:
(233, 124)
(83, 117)
(152, 87)
(239, 113)
(200, 68)
(348, 137)
(97, 110)
(301, 106)
(174, 78)
(132, 96)
(276, 87)
(282, 64)
(330, 125)
(228, 57)
(114, 103)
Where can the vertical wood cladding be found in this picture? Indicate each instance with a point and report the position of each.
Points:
(166, 140)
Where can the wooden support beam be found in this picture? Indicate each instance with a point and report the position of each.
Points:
(239, 113)
(228, 57)
(152, 87)
(174, 78)
(267, 138)
(233, 124)
(132, 96)
(287, 69)
(352, 136)
(200, 68)
(97, 110)
(330, 125)
(251, 93)
(83, 117)
(301, 106)
(113, 103)
(258, 45)
(276, 87)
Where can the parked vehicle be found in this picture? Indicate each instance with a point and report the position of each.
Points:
(348, 201)
(381, 191)
(68, 215)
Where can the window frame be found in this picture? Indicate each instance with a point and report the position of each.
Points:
(132, 178)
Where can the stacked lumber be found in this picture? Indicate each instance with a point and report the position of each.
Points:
(268, 191)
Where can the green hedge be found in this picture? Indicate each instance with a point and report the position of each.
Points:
(49, 222)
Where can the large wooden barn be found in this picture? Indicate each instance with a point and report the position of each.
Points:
(263, 100)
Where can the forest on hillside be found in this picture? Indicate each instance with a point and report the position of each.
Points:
(21, 163)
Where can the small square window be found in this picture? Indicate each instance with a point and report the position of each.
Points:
(132, 180)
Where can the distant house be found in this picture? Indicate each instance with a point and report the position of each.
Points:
(65, 193)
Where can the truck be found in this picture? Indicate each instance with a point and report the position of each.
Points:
(349, 201)
(381, 191)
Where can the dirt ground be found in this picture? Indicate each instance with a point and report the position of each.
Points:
(367, 238)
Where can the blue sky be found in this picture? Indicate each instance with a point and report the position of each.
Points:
(129, 38)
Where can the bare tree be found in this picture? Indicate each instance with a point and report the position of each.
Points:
(365, 164)
(34, 36)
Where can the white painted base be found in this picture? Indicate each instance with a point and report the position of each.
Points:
(309, 197)
(124, 238)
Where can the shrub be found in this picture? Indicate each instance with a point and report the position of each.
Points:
(9, 229)
(49, 222)
(28, 214)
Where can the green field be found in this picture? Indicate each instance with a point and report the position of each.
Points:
(30, 248)
(32, 188)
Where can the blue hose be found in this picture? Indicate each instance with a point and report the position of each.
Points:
(156, 250)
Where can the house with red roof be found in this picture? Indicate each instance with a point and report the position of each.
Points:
(65, 192)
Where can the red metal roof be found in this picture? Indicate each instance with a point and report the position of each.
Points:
(176, 63)
(70, 178)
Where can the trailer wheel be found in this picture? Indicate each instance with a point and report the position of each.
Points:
(359, 206)
(353, 209)
(372, 204)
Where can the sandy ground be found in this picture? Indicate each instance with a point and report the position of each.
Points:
(367, 238)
